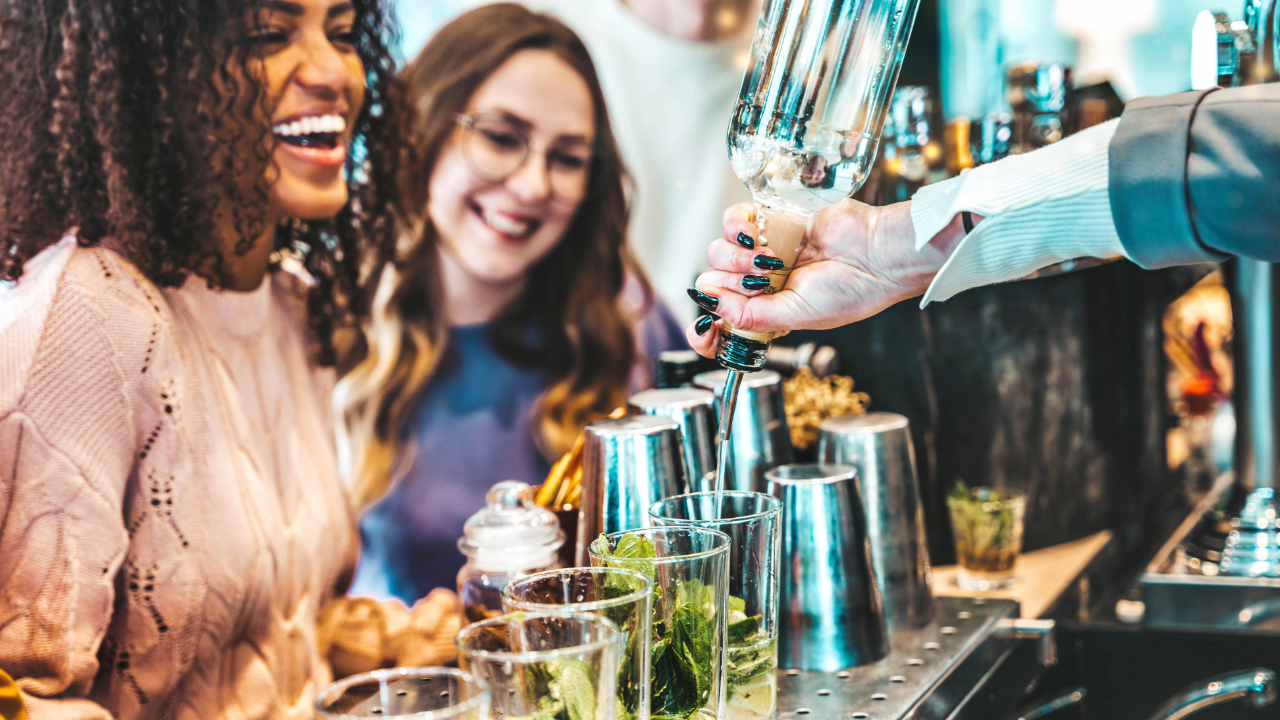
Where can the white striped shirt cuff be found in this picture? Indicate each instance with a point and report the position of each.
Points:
(1040, 208)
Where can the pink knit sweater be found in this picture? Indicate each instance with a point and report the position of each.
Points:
(171, 520)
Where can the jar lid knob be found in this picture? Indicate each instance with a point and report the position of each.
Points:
(510, 494)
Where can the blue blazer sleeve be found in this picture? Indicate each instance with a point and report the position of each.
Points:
(1196, 176)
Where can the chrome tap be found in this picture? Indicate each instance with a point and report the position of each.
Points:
(1256, 688)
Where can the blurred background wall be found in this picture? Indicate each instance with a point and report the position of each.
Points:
(1143, 47)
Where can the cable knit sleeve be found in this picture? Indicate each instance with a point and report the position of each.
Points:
(66, 453)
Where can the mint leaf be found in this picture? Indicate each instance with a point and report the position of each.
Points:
(632, 552)
(674, 689)
(576, 689)
(697, 595)
(743, 629)
(749, 660)
(560, 690)
(635, 546)
(680, 672)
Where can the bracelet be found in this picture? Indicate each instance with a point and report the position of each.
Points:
(966, 219)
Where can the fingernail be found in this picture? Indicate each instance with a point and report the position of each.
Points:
(765, 262)
(755, 282)
(746, 241)
(705, 301)
(704, 324)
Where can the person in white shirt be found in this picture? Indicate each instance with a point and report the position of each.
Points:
(1183, 178)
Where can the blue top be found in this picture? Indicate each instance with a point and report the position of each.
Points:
(472, 429)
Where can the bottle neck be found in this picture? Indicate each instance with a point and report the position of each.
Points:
(783, 233)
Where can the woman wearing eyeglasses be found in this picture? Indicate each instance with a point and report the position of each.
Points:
(515, 314)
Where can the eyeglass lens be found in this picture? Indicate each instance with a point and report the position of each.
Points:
(497, 148)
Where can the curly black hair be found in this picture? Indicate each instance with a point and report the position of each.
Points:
(116, 116)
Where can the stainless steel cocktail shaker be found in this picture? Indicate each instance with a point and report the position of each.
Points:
(831, 615)
(628, 464)
(879, 446)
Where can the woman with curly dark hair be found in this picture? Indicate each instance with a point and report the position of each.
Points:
(171, 520)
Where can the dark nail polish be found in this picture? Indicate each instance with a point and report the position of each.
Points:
(764, 262)
(755, 282)
(746, 241)
(705, 301)
(704, 324)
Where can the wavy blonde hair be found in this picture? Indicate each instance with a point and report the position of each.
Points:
(581, 338)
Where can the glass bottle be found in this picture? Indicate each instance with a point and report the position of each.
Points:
(511, 537)
(1040, 98)
(906, 136)
(807, 125)
(992, 137)
(959, 154)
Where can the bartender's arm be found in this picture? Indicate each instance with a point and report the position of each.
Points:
(1178, 179)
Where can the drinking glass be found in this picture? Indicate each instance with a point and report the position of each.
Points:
(689, 567)
(751, 520)
(624, 597)
(544, 664)
(988, 531)
(421, 693)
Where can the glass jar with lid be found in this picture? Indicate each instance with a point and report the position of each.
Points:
(509, 538)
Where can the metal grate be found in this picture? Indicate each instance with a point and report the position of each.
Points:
(918, 661)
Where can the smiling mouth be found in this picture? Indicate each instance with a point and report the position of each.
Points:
(505, 225)
(314, 131)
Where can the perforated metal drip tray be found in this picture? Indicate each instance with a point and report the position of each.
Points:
(927, 674)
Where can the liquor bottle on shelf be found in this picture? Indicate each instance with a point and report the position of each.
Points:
(905, 159)
(955, 140)
(992, 137)
(1039, 96)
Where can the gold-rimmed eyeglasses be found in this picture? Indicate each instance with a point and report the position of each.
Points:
(497, 146)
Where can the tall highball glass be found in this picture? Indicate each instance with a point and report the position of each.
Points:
(751, 520)
(544, 664)
(624, 597)
(689, 567)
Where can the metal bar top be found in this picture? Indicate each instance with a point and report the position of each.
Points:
(903, 684)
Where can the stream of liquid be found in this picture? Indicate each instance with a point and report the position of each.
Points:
(728, 402)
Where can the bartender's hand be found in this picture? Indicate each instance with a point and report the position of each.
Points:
(856, 261)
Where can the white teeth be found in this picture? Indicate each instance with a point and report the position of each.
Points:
(506, 225)
(312, 124)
